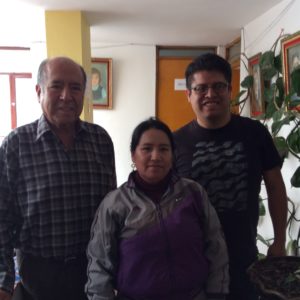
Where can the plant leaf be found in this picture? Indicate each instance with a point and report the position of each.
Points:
(280, 89)
(295, 180)
(270, 110)
(277, 115)
(293, 140)
(247, 82)
(278, 63)
(281, 146)
(267, 65)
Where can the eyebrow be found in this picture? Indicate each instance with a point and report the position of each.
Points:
(58, 81)
(150, 144)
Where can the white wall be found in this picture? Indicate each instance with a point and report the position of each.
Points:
(259, 36)
(133, 85)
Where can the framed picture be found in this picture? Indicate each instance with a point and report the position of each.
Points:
(257, 105)
(101, 82)
(290, 47)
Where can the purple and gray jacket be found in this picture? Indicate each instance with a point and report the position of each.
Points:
(171, 250)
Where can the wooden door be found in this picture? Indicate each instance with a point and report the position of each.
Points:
(235, 83)
(172, 106)
(233, 54)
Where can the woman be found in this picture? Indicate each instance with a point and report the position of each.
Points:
(156, 237)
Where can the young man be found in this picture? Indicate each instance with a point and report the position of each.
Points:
(54, 173)
(229, 155)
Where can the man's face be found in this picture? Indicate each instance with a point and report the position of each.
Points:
(61, 95)
(212, 107)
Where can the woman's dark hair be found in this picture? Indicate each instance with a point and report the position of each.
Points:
(151, 123)
(208, 62)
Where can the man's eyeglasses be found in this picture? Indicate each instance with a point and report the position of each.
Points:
(218, 87)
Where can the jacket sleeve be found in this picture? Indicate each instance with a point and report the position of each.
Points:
(8, 219)
(216, 252)
(102, 254)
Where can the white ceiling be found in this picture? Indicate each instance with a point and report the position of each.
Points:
(147, 22)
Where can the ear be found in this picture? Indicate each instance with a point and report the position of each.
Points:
(38, 91)
(132, 157)
(188, 94)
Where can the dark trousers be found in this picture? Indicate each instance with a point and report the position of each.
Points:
(53, 279)
(241, 288)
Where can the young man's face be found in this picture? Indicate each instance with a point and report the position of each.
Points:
(211, 106)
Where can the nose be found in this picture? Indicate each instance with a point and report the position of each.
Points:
(65, 94)
(210, 92)
(155, 155)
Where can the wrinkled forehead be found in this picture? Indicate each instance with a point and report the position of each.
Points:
(64, 69)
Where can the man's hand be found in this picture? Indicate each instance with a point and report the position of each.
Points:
(5, 295)
(276, 249)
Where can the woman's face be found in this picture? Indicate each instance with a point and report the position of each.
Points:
(153, 156)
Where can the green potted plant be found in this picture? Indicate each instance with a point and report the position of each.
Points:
(278, 277)
(281, 109)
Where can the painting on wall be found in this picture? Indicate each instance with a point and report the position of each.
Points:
(257, 105)
(291, 60)
(101, 82)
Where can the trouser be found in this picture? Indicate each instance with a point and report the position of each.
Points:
(241, 288)
(53, 279)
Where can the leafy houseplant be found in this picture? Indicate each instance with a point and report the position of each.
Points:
(281, 109)
(278, 278)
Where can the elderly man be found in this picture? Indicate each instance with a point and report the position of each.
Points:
(54, 173)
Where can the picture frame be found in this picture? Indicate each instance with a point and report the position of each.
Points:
(290, 49)
(257, 105)
(101, 83)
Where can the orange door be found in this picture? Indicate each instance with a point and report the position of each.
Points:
(172, 106)
(235, 83)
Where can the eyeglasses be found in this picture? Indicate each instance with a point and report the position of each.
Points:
(218, 87)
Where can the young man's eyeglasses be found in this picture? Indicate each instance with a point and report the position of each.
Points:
(218, 87)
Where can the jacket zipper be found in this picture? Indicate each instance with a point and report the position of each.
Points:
(168, 248)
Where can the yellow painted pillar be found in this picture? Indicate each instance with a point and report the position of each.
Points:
(68, 34)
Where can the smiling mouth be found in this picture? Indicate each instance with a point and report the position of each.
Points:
(210, 102)
(67, 108)
(155, 166)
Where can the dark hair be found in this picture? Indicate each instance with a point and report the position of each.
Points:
(42, 73)
(151, 123)
(207, 62)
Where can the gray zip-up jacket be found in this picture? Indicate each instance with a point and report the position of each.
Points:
(171, 250)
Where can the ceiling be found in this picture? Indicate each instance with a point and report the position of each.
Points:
(137, 22)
